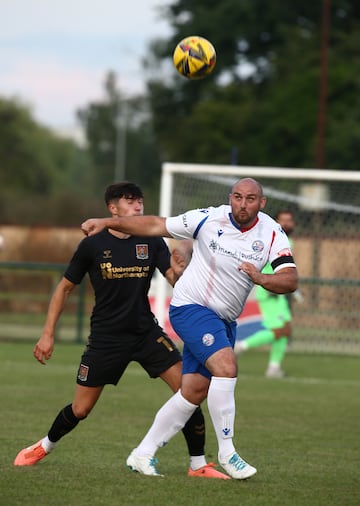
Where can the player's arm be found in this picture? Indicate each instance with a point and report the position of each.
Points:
(149, 226)
(284, 280)
(45, 345)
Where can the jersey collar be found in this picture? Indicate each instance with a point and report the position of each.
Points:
(244, 229)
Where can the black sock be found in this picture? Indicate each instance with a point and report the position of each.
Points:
(64, 423)
(194, 432)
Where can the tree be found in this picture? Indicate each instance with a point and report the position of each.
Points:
(268, 115)
(39, 170)
(119, 127)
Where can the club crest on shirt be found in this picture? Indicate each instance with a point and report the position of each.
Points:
(142, 251)
(257, 246)
(208, 339)
(83, 372)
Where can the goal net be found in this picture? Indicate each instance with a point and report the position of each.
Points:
(326, 205)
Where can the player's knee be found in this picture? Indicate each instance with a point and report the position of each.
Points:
(223, 363)
(81, 411)
(172, 376)
(226, 371)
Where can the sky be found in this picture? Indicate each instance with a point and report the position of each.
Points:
(54, 55)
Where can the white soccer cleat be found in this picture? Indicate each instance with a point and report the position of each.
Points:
(274, 371)
(142, 465)
(237, 468)
(239, 347)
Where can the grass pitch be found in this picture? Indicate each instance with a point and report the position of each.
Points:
(302, 434)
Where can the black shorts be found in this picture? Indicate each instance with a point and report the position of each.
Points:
(105, 360)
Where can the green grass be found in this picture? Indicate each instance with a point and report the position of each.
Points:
(302, 434)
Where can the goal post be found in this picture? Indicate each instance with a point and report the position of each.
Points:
(326, 205)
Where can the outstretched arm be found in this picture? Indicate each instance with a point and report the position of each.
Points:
(150, 226)
(45, 345)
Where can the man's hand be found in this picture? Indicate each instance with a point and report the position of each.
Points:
(252, 272)
(284, 331)
(283, 281)
(298, 296)
(178, 262)
(43, 349)
(93, 226)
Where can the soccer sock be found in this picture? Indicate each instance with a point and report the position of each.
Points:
(194, 433)
(221, 404)
(169, 420)
(64, 423)
(196, 462)
(278, 350)
(260, 338)
(47, 444)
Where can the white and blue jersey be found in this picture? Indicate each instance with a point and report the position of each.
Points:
(212, 278)
(211, 293)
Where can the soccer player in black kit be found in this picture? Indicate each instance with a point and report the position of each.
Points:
(122, 329)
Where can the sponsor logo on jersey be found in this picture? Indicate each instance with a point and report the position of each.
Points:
(208, 339)
(107, 254)
(142, 251)
(220, 232)
(184, 220)
(83, 372)
(109, 271)
(216, 248)
(257, 246)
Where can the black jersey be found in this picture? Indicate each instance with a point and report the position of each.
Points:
(120, 271)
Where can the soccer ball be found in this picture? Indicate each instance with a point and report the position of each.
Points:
(194, 57)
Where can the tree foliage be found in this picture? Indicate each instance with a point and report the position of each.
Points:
(38, 169)
(259, 107)
(269, 115)
(119, 129)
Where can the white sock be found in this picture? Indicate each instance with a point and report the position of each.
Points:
(169, 420)
(47, 444)
(221, 404)
(197, 461)
(274, 365)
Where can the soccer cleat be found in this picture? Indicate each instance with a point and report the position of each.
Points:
(31, 455)
(239, 347)
(274, 371)
(142, 465)
(208, 471)
(237, 468)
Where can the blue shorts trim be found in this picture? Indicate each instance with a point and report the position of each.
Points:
(203, 333)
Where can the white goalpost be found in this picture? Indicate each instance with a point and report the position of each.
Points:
(326, 204)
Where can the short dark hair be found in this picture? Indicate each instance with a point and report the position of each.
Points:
(284, 211)
(124, 189)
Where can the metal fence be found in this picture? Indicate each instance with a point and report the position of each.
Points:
(25, 291)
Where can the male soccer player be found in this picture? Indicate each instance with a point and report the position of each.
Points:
(232, 244)
(123, 328)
